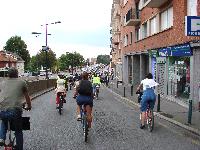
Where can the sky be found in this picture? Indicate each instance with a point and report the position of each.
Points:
(84, 27)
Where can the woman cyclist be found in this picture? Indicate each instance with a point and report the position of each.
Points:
(84, 96)
(148, 95)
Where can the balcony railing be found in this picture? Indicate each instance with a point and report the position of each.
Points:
(156, 3)
(133, 17)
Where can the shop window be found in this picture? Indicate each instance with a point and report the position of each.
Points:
(179, 77)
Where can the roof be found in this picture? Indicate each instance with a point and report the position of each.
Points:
(6, 57)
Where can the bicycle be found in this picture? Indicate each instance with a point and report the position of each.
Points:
(13, 125)
(61, 101)
(149, 115)
(84, 122)
(96, 93)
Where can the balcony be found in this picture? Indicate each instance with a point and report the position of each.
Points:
(155, 3)
(133, 17)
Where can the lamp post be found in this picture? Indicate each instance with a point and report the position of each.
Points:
(46, 48)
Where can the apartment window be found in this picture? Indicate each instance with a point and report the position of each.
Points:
(126, 40)
(144, 30)
(167, 19)
(131, 38)
(192, 7)
(153, 26)
(129, 15)
(137, 34)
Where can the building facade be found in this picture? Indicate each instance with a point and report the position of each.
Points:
(9, 59)
(153, 40)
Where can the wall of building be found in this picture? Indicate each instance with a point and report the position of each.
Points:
(172, 36)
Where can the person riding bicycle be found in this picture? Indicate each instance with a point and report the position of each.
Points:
(84, 96)
(148, 96)
(12, 94)
(95, 81)
(60, 89)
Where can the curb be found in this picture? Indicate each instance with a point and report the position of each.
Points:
(193, 130)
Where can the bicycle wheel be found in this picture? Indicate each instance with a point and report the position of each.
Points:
(150, 120)
(85, 128)
(60, 106)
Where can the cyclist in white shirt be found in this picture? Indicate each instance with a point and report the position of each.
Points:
(148, 85)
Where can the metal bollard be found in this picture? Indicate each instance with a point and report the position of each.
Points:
(131, 90)
(190, 112)
(124, 91)
(158, 105)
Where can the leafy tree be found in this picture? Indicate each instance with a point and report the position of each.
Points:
(16, 45)
(51, 59)
(34, 64)
(70, 59)
(104, 59)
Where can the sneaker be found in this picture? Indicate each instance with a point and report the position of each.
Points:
(142, 126)
(78, 118)
(2, 142)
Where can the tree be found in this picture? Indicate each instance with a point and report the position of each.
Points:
(70, 59)
(51, 59)
(34, 64)
(104, 59)
(16, 45)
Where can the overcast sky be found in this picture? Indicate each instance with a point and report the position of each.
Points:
(84, 27)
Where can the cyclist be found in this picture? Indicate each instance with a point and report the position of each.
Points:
(60, 88)
(12, 94)
(148, 95)
(95, 81)
(84, 96)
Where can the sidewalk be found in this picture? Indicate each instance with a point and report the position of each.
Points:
(169, 110)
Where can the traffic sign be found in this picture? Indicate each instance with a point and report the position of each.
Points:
(192, 25)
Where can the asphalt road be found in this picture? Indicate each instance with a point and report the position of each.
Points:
(115, 127)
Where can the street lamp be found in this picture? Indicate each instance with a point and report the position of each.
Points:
(46, 48)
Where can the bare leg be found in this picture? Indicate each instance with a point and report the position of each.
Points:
(78, 110)
(142, 118)
(89, 115)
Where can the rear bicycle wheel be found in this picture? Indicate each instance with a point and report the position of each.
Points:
(60, 106)
(85, 128)
(150, 120)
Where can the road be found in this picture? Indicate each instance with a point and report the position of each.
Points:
(115, 127)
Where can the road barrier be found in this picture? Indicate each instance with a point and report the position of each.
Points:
(131, 90)
(158, 105)
(124, 91)
(190, 112)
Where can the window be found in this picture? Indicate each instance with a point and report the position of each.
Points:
(126, 40)
(144, 30)
(153, 26)
(137, 34)
(131, 38)
(192, 7)
(167, 19)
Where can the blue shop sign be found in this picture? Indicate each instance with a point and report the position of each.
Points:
(192, 25)
(164, 52)
(181, 50)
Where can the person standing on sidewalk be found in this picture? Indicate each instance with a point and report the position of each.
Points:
(12, 93)
(148, 85)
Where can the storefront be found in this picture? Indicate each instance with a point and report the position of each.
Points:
(179, 71)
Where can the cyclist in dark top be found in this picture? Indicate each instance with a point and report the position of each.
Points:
(84, 96)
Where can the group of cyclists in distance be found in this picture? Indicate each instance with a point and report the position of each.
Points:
(13, 91)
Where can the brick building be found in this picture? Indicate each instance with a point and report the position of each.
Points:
(152, 35)
(9, 59)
